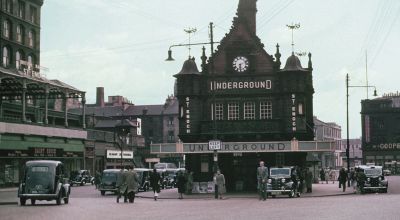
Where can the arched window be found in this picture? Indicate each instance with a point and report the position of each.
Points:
(7, 6)
(21, 9)
(6, 57)
(31, 38)
(19, 56)
(20, 34)
(6, 28)
(31, 62)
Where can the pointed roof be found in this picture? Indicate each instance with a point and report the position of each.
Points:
(293, 64)
(189, 67)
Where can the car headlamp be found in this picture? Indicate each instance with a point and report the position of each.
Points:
(380, 178)
(269, 181)
(369, 179)
(283, 180)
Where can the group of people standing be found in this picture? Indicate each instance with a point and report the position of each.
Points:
(343, 178)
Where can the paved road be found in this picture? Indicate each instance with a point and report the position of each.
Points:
(86, 203)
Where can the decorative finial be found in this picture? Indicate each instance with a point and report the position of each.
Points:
(309, 61)
(293, 27)
(190, 31)
(278, 56)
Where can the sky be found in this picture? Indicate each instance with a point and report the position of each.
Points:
(122, 45)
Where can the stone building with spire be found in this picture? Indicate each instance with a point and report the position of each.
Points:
(243, 97)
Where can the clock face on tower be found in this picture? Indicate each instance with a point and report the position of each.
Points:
(240, 64)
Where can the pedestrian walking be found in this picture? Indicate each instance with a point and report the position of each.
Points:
(342, 178)
(309, 177)
(322, 175)
(262, 177)
(122, 186)
(97, 179)
(155, 183)
(332, 175)
(215, 186)
(221, 184)
(189, 183)
(327, 176)
(181, 184)
(132, 185)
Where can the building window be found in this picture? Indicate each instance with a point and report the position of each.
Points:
(171, 121)
(7, 6)
(31, 38)
(6, 29)
(31, 62)
(33, 14)
(20, 33)
(219, 111)
(233, 111)
(171, 136)
(6, 57)
(249, 110)
(266, 110)
(300, 108)
(21, 9)
(18, 57)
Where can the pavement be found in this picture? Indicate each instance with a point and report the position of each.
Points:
(318, 190)
(8, 196)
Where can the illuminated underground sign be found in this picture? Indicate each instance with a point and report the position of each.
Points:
(238, 147)
(233, 85)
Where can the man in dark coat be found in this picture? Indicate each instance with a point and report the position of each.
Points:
(322, 175)
(121, 185)
(308, 178)
(155, 183)
(181, 184)
(342, 178)
(262, 177)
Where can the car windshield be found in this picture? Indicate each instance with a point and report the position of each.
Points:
(280, 172)
(39, 177)
(109, 177)
(373, 172)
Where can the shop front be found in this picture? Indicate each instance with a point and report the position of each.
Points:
(15, 150)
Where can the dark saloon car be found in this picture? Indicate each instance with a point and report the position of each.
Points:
(44, 180)
(81, 177)
(372, 179)
(281, 182)
(144, 178)
(109, 181)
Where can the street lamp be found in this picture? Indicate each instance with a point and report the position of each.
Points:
(347, 118)
(123, 129)
(213, 144)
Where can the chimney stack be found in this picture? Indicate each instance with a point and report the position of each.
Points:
(100, 97)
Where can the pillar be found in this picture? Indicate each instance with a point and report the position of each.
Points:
(23, 101)
(65, 102)
(83, 110)
(46, 106)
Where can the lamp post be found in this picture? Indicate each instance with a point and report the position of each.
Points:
(347, 118)
(213, 144)
(123, 129)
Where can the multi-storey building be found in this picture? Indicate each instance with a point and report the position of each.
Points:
(34, 119)
(329, 131)
(355, 152)
(156, 123)
(244, 98)
(381, 130)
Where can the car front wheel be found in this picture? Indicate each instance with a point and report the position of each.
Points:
(291, 194)
(58, 200)
(103, 192)
(33, 202)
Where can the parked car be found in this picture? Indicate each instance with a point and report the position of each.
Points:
(375, 179)
(44, 180)
(109, 181)
(280, 182)
(81, 177)
(144, 178)
(387, 172)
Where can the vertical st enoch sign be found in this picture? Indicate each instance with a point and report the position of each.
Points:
(228, 147)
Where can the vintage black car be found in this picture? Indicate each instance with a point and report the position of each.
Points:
(144, 178)
(110, 179)
(282, 181)
(44, 180)
(373, 180)
(81, 177)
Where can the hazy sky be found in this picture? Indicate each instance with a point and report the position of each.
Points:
(122, 45)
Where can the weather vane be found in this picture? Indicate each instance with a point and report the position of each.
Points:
(190, 31)
(293, 27)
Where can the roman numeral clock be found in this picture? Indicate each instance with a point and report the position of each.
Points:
(240, 64)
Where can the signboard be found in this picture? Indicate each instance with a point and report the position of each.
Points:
(116, 154)
(152, 160)
(139, 127)
(214, 145)
(45, 152)
(238, 147)
(384, 146)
